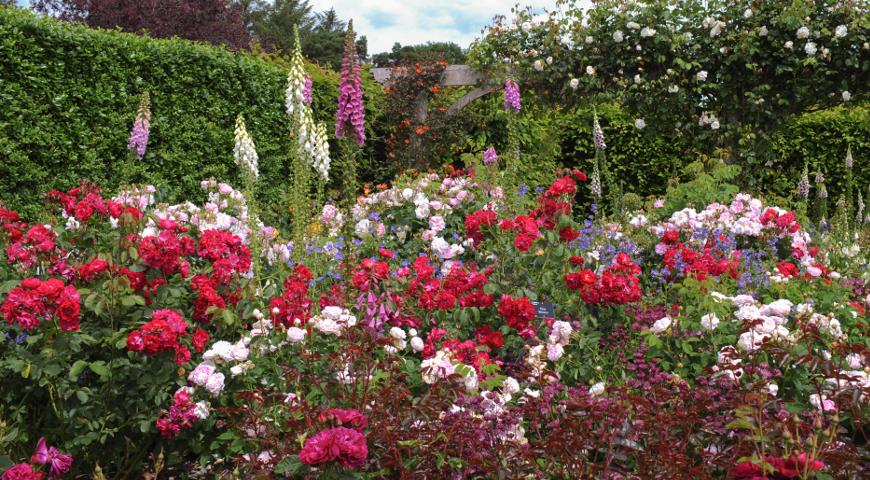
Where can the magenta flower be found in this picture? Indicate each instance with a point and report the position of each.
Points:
(60, 463)
(350, 118)
(345, 445)
(490, 157)
(512, 96)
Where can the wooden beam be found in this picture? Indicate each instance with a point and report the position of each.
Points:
(453, 75)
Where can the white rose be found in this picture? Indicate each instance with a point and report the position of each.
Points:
(772, 389)
(295, 334)
(810, 48)
(331, 312)
(510, 385)
(846, 96)
(762, 32)
(200, 409)
(701, 76)
(841, 31)
(710, 321)
(618, 36)
(199, 375)
(397, 333)
(538, 65)
(673, 89)
(789, 44)
(407, 194)
(328, 326)
(715, 125)
(747, 13)
(574, 83)
(417, 344)
(661, 325)
(239, 352)
(590, 70)
(215, 384)
(803, 32)
(221, 349)
(589, 39)
(639, 124)
(597, 389)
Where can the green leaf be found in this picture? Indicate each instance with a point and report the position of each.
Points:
(82, 396)
(289, 466)
(99, 367)
(76, 369)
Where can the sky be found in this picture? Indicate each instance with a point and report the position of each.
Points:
(412, 22)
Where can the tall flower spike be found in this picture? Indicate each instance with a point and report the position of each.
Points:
(859, 216)
(512, 96)
(313, 143)
(597, 134)
(804, 184)
(490, 157)
(849, 160)
(296, 80)
(350, 117)
(244, 151)
(139, 134)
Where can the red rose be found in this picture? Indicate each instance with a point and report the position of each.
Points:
(350, 417)
(576, 260)
(22, 471)
(319, 449)
(787, 269)
(671, 236)
(182, 355)
(83, 211)
(768, 216)
(785, 220)
(199, 339)
(568, 234)
(135, 342)
(523, 242)
(68, 313)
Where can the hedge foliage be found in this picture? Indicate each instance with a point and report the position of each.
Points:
(68, 96)
(645, 163)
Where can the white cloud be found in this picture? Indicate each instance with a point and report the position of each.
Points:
(411, 22)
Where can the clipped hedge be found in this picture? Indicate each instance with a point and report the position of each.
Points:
(68, 96)
(645, 163)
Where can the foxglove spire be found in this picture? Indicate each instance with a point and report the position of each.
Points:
(244, 151)
(350, 117)
(512, 96)
(296, 80)
(141, 126)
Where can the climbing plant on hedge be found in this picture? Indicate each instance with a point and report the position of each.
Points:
(725, 73)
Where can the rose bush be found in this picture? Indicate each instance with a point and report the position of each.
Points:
(460, 331)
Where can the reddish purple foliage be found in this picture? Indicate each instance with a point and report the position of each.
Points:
(214, 21)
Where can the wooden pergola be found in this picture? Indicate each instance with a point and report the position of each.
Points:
(452, 76)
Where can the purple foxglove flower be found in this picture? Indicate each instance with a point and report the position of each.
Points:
(139, 134)
(350, 117)
(598, 135)
(490, 157)
(306, 90)
(512, 96)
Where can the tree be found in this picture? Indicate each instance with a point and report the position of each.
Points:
(213, 21)
(409, 54)
(273, 23)
(722, 73)
(324, 43)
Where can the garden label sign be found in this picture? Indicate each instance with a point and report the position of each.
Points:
(544, 309)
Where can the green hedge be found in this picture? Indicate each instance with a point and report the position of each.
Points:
(68, 96)
(645, 163)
